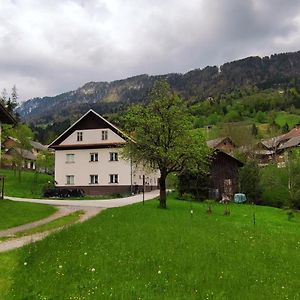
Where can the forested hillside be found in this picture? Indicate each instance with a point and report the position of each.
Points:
(240, 89)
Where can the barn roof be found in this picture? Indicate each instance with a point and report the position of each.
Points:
(216, 142)
(292, 142)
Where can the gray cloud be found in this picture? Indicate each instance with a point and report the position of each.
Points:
(49, 47)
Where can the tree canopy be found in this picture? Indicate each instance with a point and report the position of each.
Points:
(163, 135)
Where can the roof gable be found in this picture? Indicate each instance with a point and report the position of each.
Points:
(216, 142)
(229, 157)
(90, 120)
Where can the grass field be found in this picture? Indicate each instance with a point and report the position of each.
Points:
(141, 252)
(290, 119)
(30, 186)
(17, 213)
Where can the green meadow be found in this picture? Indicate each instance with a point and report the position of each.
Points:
(17, 213)
(30, 185)
(141, 252)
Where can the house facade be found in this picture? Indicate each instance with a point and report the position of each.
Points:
(88, 156)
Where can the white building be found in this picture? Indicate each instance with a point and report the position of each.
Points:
(88, 156)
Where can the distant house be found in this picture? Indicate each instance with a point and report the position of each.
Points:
(266, 151)
(88, 156)
(224, 143)
(273, 149)
(12, 147)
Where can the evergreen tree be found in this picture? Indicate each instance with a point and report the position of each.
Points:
(254, 130)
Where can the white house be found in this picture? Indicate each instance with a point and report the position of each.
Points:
(88, 156)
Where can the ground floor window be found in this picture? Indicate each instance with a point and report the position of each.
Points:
(93, 179)
(70, 179)
(113, 178)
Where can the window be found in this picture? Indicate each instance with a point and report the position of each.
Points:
(79, 136)
(104, 135)
(93, 179)
(93, 156)
(113, 178)
(70, 158)
(70, 179)
(113, 156)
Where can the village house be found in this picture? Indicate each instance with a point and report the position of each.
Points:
(88, 156)
(12, 147)
(273, 150)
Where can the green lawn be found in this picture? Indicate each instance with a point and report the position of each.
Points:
(141, 252)
(17, 213)
(30, 185)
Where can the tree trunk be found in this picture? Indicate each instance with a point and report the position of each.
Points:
(162, 192)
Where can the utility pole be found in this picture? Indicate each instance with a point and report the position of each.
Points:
(143, 189)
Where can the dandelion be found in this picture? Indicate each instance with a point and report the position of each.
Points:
(25, 263)
(159, 271)
(192, 211)
(93, 269)
(85, 253)
(60, 266)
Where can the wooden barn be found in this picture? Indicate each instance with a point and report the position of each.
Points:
(224, 171)
(222, 178)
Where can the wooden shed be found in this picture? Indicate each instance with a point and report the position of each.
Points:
(224, 171)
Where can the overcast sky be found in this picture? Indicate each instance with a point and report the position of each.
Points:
(52, 46)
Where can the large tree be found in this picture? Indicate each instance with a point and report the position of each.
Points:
(163, 135)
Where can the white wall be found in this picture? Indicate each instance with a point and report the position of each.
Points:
(151, 177)
(92, 136)
(82, 168)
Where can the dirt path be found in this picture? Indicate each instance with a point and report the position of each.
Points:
(62, 211)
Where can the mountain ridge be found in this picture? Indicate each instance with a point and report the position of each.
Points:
(195, 85)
